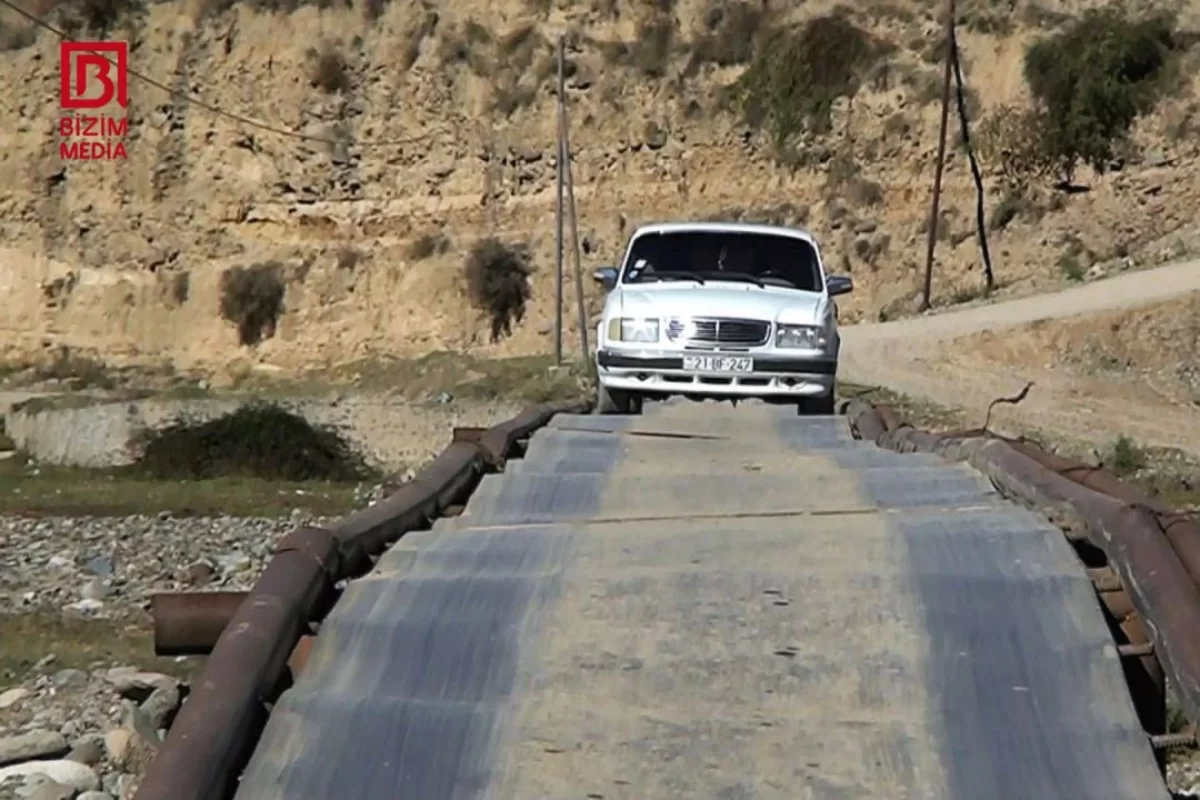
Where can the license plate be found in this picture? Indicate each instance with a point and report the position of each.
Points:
(718, 363)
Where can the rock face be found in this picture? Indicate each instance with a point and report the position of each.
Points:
(390, 126)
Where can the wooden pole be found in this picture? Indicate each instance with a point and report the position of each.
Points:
(941, 159)
(565, 157)
(558, 220)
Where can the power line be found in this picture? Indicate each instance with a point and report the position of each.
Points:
(244, 120)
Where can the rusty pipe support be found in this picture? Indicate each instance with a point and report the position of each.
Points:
(1179, 528)
(216, 729)
(267, 640)
(190, 623)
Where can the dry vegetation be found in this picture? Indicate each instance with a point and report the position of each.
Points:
(824, 118)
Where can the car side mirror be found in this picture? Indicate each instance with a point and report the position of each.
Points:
(606, 277)
(839, 284)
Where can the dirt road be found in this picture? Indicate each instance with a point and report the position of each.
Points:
(921, 357)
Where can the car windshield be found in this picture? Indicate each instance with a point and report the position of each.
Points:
(758, 258)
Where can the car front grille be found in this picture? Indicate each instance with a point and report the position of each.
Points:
(719, 330)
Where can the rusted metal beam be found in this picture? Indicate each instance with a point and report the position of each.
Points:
(266, 641)
(467, 435)
(189, 623)
(1177, 526)
(300, 653)
(214, 734)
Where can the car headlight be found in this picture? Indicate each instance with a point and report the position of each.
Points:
(627, 329)
(800, 337)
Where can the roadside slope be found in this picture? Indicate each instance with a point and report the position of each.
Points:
(921, 357)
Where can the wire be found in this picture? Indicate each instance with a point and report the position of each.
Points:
(248, 121)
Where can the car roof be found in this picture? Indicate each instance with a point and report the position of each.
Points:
(724, 227)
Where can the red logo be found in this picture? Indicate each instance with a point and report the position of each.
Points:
(85, 67)
(75, 61)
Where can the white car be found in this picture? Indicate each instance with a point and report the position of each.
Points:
(719, 310)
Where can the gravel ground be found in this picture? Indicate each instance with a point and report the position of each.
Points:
(90, 724)
(83, 700)
(108, 567)
(1183, 776)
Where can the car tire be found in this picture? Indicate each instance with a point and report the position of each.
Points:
(617, 401)
(823, 405)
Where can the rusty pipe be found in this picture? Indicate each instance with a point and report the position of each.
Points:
(1095, 478)
(891, 420)
(1180, 530)
(215, 732)
(1118, 604)
(865, 421)
(190, 623)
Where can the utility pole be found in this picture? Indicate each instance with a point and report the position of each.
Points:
(941, 158)
(558, 219)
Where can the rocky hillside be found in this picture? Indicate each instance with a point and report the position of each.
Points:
(395, 135)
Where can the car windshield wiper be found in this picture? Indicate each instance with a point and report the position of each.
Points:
(674, 275)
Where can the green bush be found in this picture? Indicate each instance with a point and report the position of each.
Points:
(257, 441)
(1093, 79)
(798, 75)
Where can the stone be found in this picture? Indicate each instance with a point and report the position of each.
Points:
(136, 685)
(13, 697)
(88, 750)
(94, 795)
(116, 745)
(36, 744)
(161, 704)
(51, 790)
(71, 773)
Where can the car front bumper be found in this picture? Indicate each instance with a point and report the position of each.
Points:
(773, 375)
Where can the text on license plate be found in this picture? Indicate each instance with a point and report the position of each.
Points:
(718, 363)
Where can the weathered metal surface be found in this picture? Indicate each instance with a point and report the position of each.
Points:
(214, 732)
(755, 618)
(189, 623)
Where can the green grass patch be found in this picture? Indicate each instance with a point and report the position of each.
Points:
(42, 490)
(79, 644)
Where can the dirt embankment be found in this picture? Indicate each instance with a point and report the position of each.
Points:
(366, 228)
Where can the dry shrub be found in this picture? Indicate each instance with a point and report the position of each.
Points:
(434, 243)
(252, 299)
(795, 79)
(1009, 141)
(731, 35)
(650, 53)
(256, 441)
(470, 45)
(15, 34)
(330, 72)
(498, 283)
(98, 16)
(416, 37)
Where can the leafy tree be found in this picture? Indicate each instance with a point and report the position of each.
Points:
(1093, 79)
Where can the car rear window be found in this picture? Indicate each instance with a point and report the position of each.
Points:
(720, 255)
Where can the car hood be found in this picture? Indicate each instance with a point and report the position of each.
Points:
(743, 301)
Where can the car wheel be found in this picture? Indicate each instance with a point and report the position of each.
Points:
(617, 401)
(824, 405)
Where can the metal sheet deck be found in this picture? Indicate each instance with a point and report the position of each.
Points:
(754, 606)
